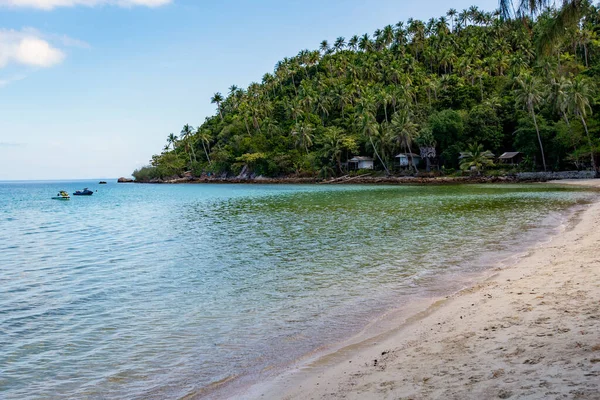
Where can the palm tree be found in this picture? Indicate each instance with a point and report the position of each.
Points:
(322, 103)
(535, 6)
(341, 97)
(559, 95)
(334, 144)
(218, 99)
(452, 14)
(463, 19)
(580, 95)
(205, 138)
(385, 140)
(384, 98)
(324, 46)
(187, 133)
(474, 14)
(364, 43)
(171, 141)
(584, 38)
(290, 69)
(529, 95)
(303, 132)
(339, 44)
(370, 129)
(387, 35)
(406, 131)
(567, 16)
(476, 158)
(353, 42)
(295, 109)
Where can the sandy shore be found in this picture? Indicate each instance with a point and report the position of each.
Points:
(530, 331)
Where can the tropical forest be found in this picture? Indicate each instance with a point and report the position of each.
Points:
(465, 87)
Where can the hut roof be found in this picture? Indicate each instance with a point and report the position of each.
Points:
(407, 154)
(360, 158)
(508, 155)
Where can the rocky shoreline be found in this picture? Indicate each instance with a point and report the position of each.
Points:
(343, 180)
(526, 177)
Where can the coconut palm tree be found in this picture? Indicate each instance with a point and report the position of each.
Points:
(339, 43)
(324, 46)
(334, 143)
(529, 94)
(295, 110)
(171, 141)
(585, 37)
(559, 96)
(353, 42)
(581, 94)
(475, 157)
(385, 141)
(217, 99)
(560, 88)
(303, 132)
(187, 133)
(383, 99)
(370, 128)
(452, 15)
(535, 6)
(388, 35)
(364, 43)
(204, 136)
(567, 16)
(405, 131)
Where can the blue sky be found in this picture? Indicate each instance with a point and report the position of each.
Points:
(91, 88)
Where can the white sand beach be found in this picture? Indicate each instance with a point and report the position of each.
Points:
(530, 331)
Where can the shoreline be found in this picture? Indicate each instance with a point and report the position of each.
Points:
(431, 353)
(370, 179)
(358, 180)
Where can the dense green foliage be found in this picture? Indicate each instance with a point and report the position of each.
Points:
(468, 78)
(475, 158)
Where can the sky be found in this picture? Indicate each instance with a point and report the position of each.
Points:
(91, 88)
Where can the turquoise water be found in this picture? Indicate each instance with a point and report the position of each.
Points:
(145, 291)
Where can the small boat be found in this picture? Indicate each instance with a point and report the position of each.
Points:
(102, 183)
(84, 192)
(62, 195)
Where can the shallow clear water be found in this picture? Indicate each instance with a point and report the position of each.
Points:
(145, 291)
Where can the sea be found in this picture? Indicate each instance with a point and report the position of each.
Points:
(166, 291)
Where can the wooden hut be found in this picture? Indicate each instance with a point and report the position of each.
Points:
(360, 162)
(403, 159)
(511, 158)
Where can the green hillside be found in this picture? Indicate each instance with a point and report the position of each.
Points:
(467, 78)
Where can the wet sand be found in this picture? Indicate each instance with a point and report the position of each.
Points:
(529, 331)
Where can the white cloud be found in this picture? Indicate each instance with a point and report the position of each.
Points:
(38, 52)
(50, 4)
(22, 47)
